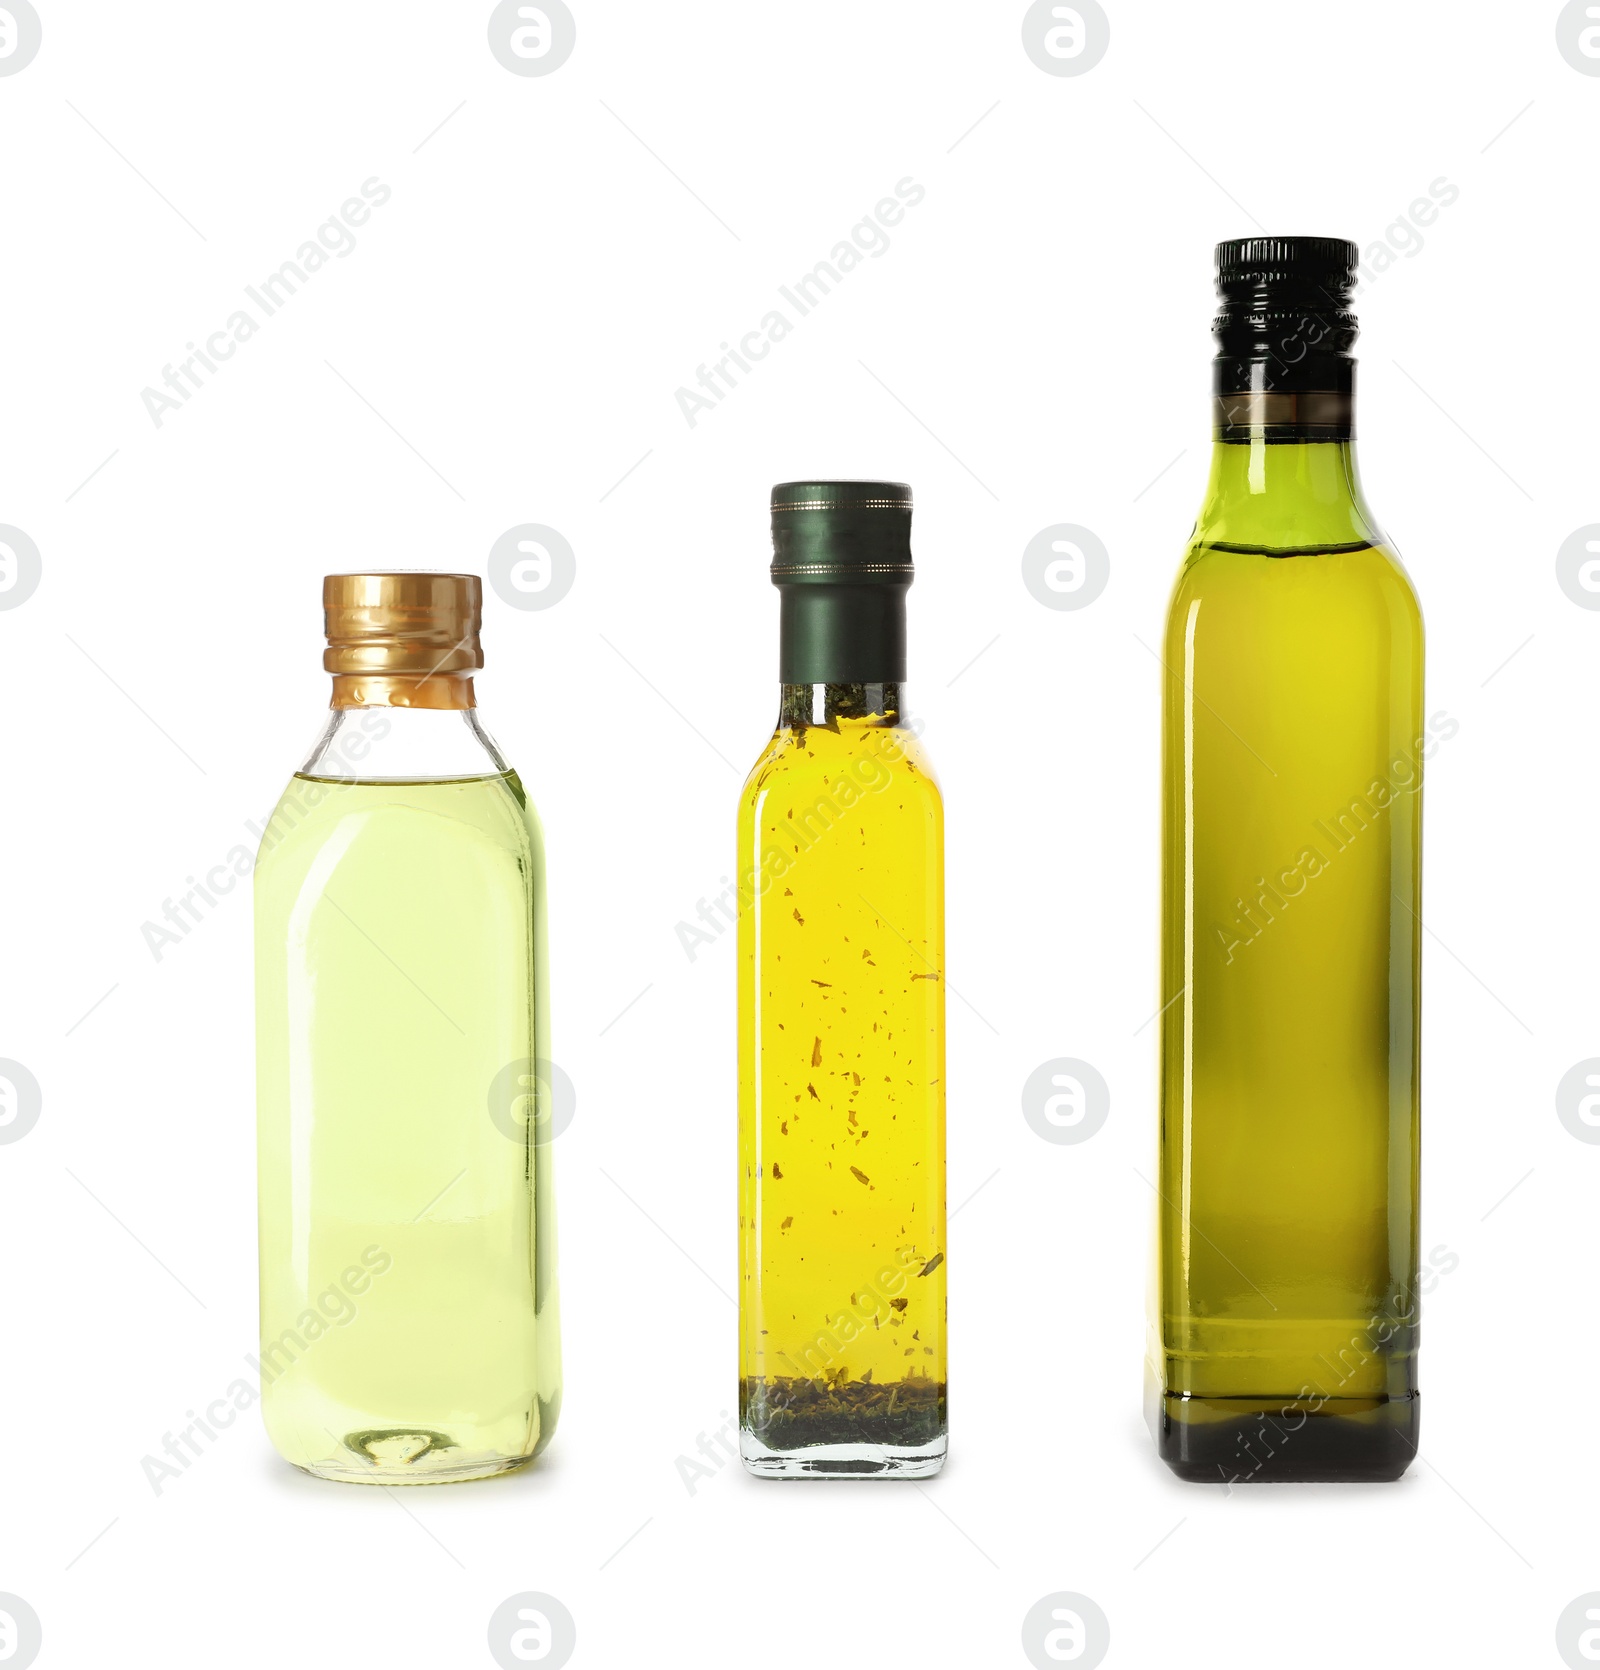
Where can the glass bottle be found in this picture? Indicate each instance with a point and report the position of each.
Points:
(1294, 737)
(409, 1316)
(840, 884)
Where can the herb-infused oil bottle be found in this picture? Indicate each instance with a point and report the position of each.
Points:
(1294, 739)
(409, 1318)
(840, 885)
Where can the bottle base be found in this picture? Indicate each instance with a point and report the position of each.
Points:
(1228, 1440)
(393, 1457)
(491, 1469)
(842, 1461)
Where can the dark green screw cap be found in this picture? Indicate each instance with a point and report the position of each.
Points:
(827, 531)
(841, 557)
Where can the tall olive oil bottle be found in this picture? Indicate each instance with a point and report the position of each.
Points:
(840, 886)
(409, 1317)
(1293, 743)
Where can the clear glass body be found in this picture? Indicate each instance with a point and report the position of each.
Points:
(409, 1314)
(1294, 739)
(841, 1094)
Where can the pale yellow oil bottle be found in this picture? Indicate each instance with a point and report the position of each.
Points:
(409, 1317)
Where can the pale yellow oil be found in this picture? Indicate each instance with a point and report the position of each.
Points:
(409, 1314)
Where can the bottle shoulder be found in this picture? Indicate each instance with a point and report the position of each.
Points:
(867, 756)
(431, 815)
(1229, 579)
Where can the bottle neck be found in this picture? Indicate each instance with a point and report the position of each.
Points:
(801, 705)
(442, 692)
(843, 635)
(1283, 465)
(378, 743)
(1283, 473)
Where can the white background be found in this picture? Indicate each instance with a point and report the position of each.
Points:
(555, 261)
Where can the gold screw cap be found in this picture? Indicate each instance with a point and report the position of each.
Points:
(403, 638)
